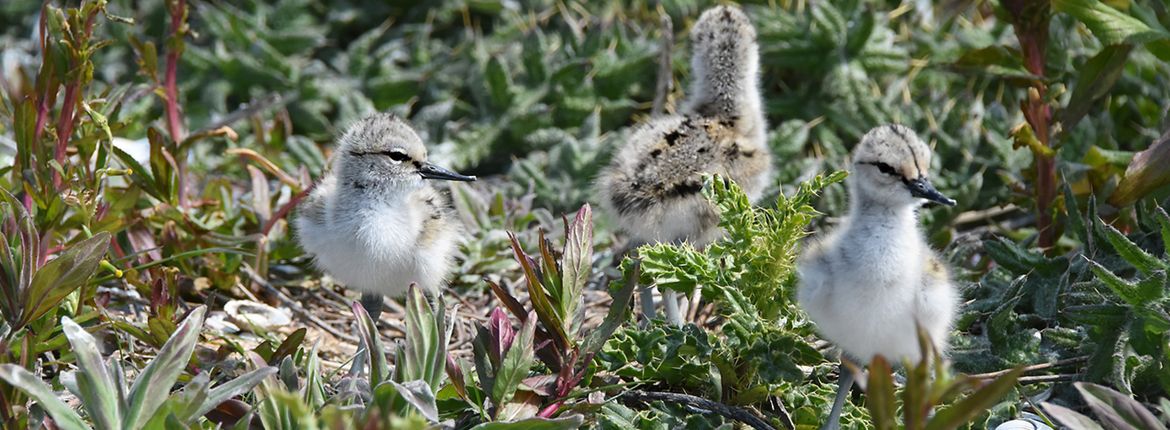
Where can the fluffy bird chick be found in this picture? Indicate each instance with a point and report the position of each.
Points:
(374, 222)
(725, 66)
(874, 280)
(652, 186)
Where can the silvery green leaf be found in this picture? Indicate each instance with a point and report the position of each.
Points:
(231, 389)
(151, 388)
(418, 394)
(95, 387)
(30, 384)
(372, 343)
(1117, 411)
(62, 275)
(517, 361)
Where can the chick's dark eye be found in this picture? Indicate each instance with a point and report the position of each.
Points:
(397, 155)
(885, 168)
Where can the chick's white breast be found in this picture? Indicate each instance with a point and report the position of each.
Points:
(863, 295)
(374, 248)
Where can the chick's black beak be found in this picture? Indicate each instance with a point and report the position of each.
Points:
(922, 188)
(431, 171)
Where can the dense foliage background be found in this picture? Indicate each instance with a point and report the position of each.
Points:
(151, 153)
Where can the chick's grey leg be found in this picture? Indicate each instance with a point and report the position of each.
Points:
(845, 383)
(646, 297)
(373, 304)
(670, 305)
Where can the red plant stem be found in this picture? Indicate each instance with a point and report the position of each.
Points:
(43, 102)
(1030, 21)
(171, 88)
(1039, 116)
(549, 410)
(67, 119)
(65, 128)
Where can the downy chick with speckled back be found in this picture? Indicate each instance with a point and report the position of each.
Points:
(374, 222)
(871, 282)
(652, 186)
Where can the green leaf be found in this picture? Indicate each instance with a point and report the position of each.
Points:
(679, 268)
(568, 422)
(185, 403)
(1129, 251)
(1151, 289)
(418, 394)
(141, 176)
(1094, 80)
(287, 410)
(576, 266)
(550, 277)
(1010, 255)
(153, 385)
(499, 83)
(880, 395)
(313, 390)
(289, 346)
(1146, 173)
(619, 313)
(1117, 411)
(1076, 220)
(976, 403)
(1110, 25)
(517, 362)
(540, 300)
(483, 365)
(1124, 289)
(425, 353)
(98, 391)
(228, 390)
(372, 342)
(64, 274)
(1164, 224)
(994, 60)
(30, 384)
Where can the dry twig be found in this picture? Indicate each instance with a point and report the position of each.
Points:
(296, 307)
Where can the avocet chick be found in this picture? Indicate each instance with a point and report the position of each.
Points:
(874, 280)
(652, 186)
(374, 222)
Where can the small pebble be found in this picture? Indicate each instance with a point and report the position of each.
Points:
(249, 315)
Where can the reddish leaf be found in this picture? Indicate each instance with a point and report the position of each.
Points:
(501, 336)
(508, 300)
(540, 301)
(455, 374)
